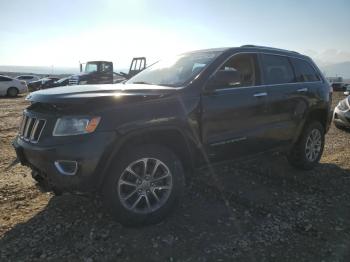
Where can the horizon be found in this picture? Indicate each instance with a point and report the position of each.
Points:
(60, 33)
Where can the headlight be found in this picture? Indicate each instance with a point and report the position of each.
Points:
(70, 126)
(83, 82)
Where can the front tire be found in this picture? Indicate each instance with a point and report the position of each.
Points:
(307, 152)
(12, 92)
(144, 185)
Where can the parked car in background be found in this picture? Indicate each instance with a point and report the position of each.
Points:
(134, 142)
(341, 118)
(338, 87)
(347, 89)
(42, 83)
(11, 86)
(61, 82)
(28, 78)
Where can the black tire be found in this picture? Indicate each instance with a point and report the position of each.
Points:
(297, 157)
(12, 92)
(111, 191)
(344, 128)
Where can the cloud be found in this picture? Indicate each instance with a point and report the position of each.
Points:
(329, 56)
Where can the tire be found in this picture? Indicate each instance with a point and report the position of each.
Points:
(12, 92)
(301, 156)
(120, 197)
(340, 127)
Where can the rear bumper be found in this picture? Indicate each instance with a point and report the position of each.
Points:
(23, 89)
(90, 156)
(341, 118)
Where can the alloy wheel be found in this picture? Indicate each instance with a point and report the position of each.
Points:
(145, 185)
(313, 145)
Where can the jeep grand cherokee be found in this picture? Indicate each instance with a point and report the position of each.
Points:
(134, 142)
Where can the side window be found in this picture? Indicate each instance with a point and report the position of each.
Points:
(3, 79)
(25, 77)
(247, 66)
(106, 67)
(277, 69)
(304, 72)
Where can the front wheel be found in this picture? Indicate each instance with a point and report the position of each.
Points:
(144, 185)
(12, 92)
(307, 152)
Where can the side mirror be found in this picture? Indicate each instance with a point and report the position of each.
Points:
(223, 79)
(346, 93)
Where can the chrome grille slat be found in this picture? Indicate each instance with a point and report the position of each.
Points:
(31, 128)
(26, 131)
(25, 121)
(21, 128)
(35, 127)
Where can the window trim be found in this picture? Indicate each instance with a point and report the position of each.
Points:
(310, 64)
(227, 59)
(290, 64)
(262, 84)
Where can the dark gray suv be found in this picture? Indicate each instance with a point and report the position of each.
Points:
(134, 142)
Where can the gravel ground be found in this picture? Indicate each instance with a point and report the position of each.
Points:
(261, 210)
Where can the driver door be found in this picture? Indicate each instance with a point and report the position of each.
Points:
(234, 116)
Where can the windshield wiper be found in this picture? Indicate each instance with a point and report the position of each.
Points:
(142, 83)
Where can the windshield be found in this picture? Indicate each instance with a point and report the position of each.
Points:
(175, 71)
(61, 80)
(91, 67)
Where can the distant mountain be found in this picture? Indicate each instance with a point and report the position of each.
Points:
(339, 69)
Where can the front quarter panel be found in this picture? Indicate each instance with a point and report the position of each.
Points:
(174, 111)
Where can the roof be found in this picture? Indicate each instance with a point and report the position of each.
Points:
(269, 48)
(253, 47)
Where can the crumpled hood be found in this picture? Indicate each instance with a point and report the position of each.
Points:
(81, 94)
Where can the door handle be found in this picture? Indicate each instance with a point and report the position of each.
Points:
(302, 90)
(260, 94)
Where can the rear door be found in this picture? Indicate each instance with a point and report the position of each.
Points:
(288, 99)
(234, 116)
(106, 73)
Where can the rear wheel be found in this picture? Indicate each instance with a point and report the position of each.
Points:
(307, 152)
(144, 185)
(340, 127)
(12, 92)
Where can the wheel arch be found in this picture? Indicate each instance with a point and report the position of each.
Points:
(170, 137)
(317, 114)
(12, 87)
(320, 115)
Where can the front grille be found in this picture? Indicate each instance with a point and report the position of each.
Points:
(73, 81)
(31, 128)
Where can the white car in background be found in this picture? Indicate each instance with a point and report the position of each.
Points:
(12, 87)
(28, 78)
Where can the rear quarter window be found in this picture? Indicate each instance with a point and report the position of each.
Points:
(277, 69)
(3, 79)
(304, 72)
(25, 77)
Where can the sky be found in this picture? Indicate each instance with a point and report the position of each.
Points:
(62, 33)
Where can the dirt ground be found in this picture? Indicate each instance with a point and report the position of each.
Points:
(261, 210)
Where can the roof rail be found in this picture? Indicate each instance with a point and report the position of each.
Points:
(270, 48)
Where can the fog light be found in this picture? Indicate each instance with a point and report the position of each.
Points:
(67, 167)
